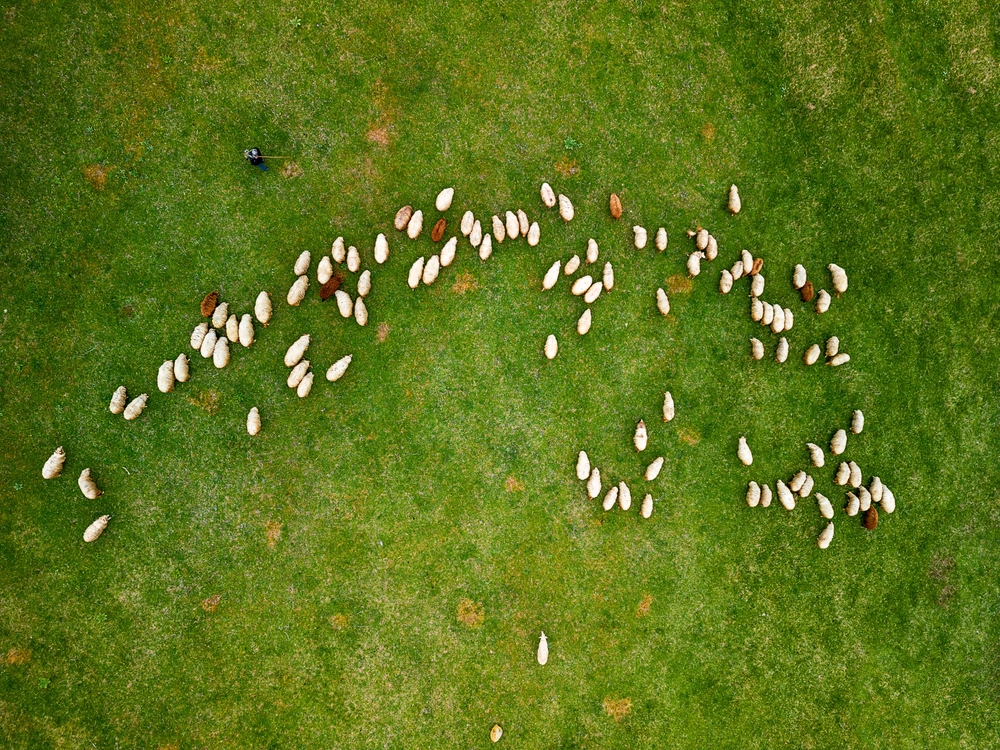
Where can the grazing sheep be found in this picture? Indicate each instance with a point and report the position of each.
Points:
(233, 329)
(381, 249)
(838, 443)
(548, 196)
(653, 470)
(165, 377)
(662, 302)
(853, 504)
(875, 487)
(661, 239)
(339, 249)
(624, 496)
(443, 201)
(87, 486)
(498, 229)
(812, 354)
(781, 353)
(747, 262)
(467, 220)
(565, 208)
(765, 496)
(593, 293)
(582, 466)
(797, 481)
(594, 483)
(297, 291)
(572, 265)
(611, 498)
(871, 518)
(581, 285)
(431, 270)
(841, 359)
(807, 292)
(767, 316)
(220, 316)
(758, 263)
(208, 343)
(95, 529)
(726, 282)
(609, 277)
(302, 263)
(416, 272)
(778, 319)
(839, 278)
(865, 497)
(743, 451)
(832, 346)
(825, 506)
(253, 421)
(640, 438)
(486, 248)
(668, 407)
(305, 386)
(701, 239)
(825, 536)
(735, 204)
(330, 288)
(757, 285)
(843, 474)
(807, 486)
(639, 237)
(551, 276)
(208, 304)
(615, 204)
(135, 408)
(592, 250)
(785, 496)
(360, 312)
(522, 222)
(298, 372)
(737, 270)
(447, 252)
(54, 463)
(756, 307)
(888, 500)
(756, 349)
(712, 251)
(353, 259)
(415, 224)
(789, 319)
(583, 324)
(297, 350)
(262, 308)
(857, 422)
(543, 650)
(798, 276)
(198, 335)
(694, 264)
(476, 235)
(338, 368)
(551, 347)
(512, 225)
(344, 303)
(365, 279)
(816, 455)
(118, 400)
(753, 495)
(822, 301)
(402, 219)
(534, 234)
(855, 479)
(220, 356)
(324, 270)
(646, 509)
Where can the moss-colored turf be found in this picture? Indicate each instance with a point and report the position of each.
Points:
(374, 569)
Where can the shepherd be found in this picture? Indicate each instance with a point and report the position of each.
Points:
(253, 156)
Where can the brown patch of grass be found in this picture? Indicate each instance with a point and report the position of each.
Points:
(513, 484)
(643, 609)
(946, 595)
(941, 567)
(169, 746)
(97, 175)
(465, 282)
(205, 63)
(379, 134)
(291, 170)
(689, 435)
(708, 131)
(17, 656)
(340, 622)
(128, 311)
(470, 613)
(617, 709)
(273, 531)
(380, 130)
(567, 167)
(678, 284)
(207, 400)
(212, 603)
(383, 332)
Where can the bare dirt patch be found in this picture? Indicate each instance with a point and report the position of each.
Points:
(207, 400)
(383, 332)
(212, 603)
(291, 170)
(379, 134)
(678, 284)
(513, 484)
(617, 709)
(97, 175)
(340, 622)
(689, 435)
(470, 613)
(17, 656)
(273, 531)
(643, 609)
(465, 282)
(567, 167)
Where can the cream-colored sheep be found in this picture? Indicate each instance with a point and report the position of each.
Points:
(639, 237)
(443, 201)
(840, 359)
(165, 376)
(54, 463)
(353, 259)
(381, 249)
(609, 277)
(735, 204)
(594, 483)
(572, 265)
(582, 466)
(853, 504)
(262, 308)
(646, 509)
(838, 443)
(843, 474)
(743, 451)
(694, 264)
(476, 235)
(415, 225)
(855, 479)
(857, 421)
(360, 312)
(198, 335)
(712, 251)
(765, 496)
(725, 282)
(756, 349)
(799, 276)
(781, 353)
(662, 302)
(297, 291)
(888, 500)
(584, 323)
(468, 218)
(543, 650)
(624, 496)
(865, 497)
(753, 495)
(825, 506)
(756, 308)
(653, 470)
(816, 455)
(512, 225)
(92, 532)
(737, 270)
(220, 356)
(785, 496)
(551, 347)
(797, 481)
(876, 488)
(431, 270)
(832, 346)
(661, 239)
(789, 319)
(305, 386)
(118, 401)
(324, 271)
(822, 301)
(302, 263)
(757, 285)
(338, 368)
(839, 278)
(534, 234)
(825, 536)
(88, 486)
(668, 407)
(416, 272)
(701, 239)
(767, 316)
(747, 262)
(344, 303)
(522, 222)
(233, 329)
(253, 421)
(486, 248)
(807, 486)
(611, 498)
(339, 249)
(593, 293)
(136, 407)
(245, 331)
(593, 251)
(581, 285)
(181, 372)
(565, 208)
(220, 315)
(778, 319)
(208, 343)
(297, 350)
(548, 196)
(641, 437)
(812, 354)
(499, 232)
(551, 276)
(365, 279)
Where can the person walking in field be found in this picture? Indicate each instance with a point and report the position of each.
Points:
(253, 156)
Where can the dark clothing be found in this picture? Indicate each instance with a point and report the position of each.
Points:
(253, 156)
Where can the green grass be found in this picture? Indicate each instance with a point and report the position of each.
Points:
(864, 134)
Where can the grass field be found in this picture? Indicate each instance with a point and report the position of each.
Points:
(374, 569)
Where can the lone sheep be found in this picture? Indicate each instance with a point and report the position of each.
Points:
(88, 486)
(96, 529)
(743, 451)
(582, 466)
(253, 421)
(641, 437)
(54, 463)
(338, 368)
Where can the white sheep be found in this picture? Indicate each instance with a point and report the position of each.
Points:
(431, 270)
(297, 350)
(753, 495)
(581, 285)
(338, 368)
(865, 498)
(855, 479)
(799, 276)
(220, 315)
(208, 343)
(512, 225)
(778, 319)
(781, 353)
(381, 249)
(653, 470)
(551, 347)
(816, 455)
(812, 354)
(756, 349)
(785, 496)
(365, 279)
(583, 324)
(839, 278)
(476, 235)
(888, 500)
(609, 277)
(735, 204)
(88, 486)
(876, 488)
(543, 650)
(611, 498)
(572, 265)
(747, 262)
(712, 251)
(662, 302)
(840, 359)
(765, 496)
(641, 437)
(92, 532)
(661, 239)
(486, 248)
(548, 196)
(344, 303)
(253, 421)
(825, 536)
(353, 259)
(443, 201)
(415, 225)
(789, 319)
(624, 496)
(198, 335)
(838, 443)
(591, 295)
(668, 407)
(737, 270)
(54, 463)
(468, 218)
(767, 316)
(360, 312)
(639, 237)
(233, 329)
(297, 291)
(165, 376)
(701, 239)
(551, 276)
(807, 487)
(565, 208)
(302, 263)
(522, 222)
(118, 401)
(857, 421)
(136, 407)
(832, 346)
(582, 466)
(646, 509)
(245, 331)
(262, 308)
(534, 234)
(220, 356)
(743, 451)
(339, 250)
(594, 483)
(593, 251)
(756, 308)
(324, 271)
(757, 285)
(843, 474)
(825, 506)
(853, 504)
(498, 229)
(305, 386)
(726, 282)
(797, 481)
(416, 272)
(694, 264)
(822, 301)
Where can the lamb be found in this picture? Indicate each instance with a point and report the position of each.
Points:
(297, 350)
(233, 329)
(743, 451)
(95, 529)
(198, 335)
(582, 466)
(305, 386)
(756, 307)
(467, 220)
(855, 479)
(757, 285)
(825, 506)
(888, 500)
(838, 443)
(360, 312)
(365, 279)
(825, 536)
(498, 229)
(297, 292)
(857, 422)
(781, 354)
(640, 438)
(220, 356)
(565, 208)
(534, 234)
(165, 377)
(381, 249)
(54, 463)
(816, 455)
(402, 219)
(220, 315)
(581, 285)
(353, 259)
(798, 277)
(640, 237)
(735, 204)
(543, 650)
(662, 303)
(208, 304)
(756, 349)
(512, 225)
(253, 421)
(812, 354)
(593, 293)
(843, 474)
(416, 272)
(88, 486)
(615, 205)
(668, 407)
(839, 278)
(476, 235)
(344, 303)
(785, 496)
(522, 222)
(646, 509)
(208, 343)
(583, 324)
(611, 498)
(443, 201)
(767, 316)
(765, 496)
(832, 346)
(431, 270)
(548, 196)
(701, 239)
(609, 277)
(594, 483)
(624, 496)
(737, 270)
(778, 320)
(807, 292)
(262, 308)
(486, 248)
(661, 239)
(118, 400)
(339, 250)
(302, 263)
(135, 408)
(592, 250)
(726, 283)
(694, 264)
(822, 301)
(797, 481)
(747, 262)
(415, 224)
(807, 487)
(324, 270)
(840, 359)
(572, 265)
(853, 505)
(551, 276)
(753, 495)
(339, 368)
(330, 288)
(653, 470)
(712, 251)
(551, 347)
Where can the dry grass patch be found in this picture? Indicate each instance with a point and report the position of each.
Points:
(567, 167)
(643, 609)
(379, 134)
(97, 175)
(465, 282)
(470, 613)
(689, 435)
(211, 603)
(207, 400)
(17, 656)
(513, 484)
(382, 333)
(340, 622)
(678, 284)
(291, 170)
(273, 531)
(617, 709)
(708, 131)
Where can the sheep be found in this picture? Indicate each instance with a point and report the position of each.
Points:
(498, 229)
(712, 251)
(876, 488)
(735, 204)
(694, 264)
(624, 496)
(871, 519)
(476, 235)
(253, 421)
(551, 276)
(583, 324)
(208, 343)
(747, 262)
(737, 270)
(807, 486)
(778, 320)
(486, 248)
(198, 335)
(582, 466)
(438, 231)
(339, 250)
(797, 481)
(857, 421)
(54, 463)
(365, 279)
(344, 303)
(88, 486)
(551, 347)
(825, 506)
(701, 239)
(888, 500)
(416, 272)
(608, 277)
(180, 367)
(781, 353)
(402, 219)
(807, 292)
(646, 509)
(865, 497)
(565, 208)
(220, 356)
(816, 455)
(765, 496)
(756, 308)
(297, 350)
(381, 249)
(661, 239)
(447, 256)
(668, 407)
(324, 270)
(297, 291)
(594, 483)
(534, 234)
(572, 265)
(812, 354)
(757, 285)
(496, 733)
(841, 359)
(822, 302)
(641, 437)
(302, 263)
(467, 220)
(443, 201)
(431, 270)
(615, 206)
(825, 536)
(756, 349)
(233, 329)
(789, 319)
(639, 237)
(338, 368)
(353, 259)
(220, 315)
(855, 479)
(581, 285)
(415, 224)
(512, 225)
(843, 474)
(767, 316)
(305, 386)
(543, 650)
(832, 346)
(853, 504)
(743, 451)
(165, 376)
(798, 276)
(136, 407)
(330, 288)
(360, 312)
(839, 278)
(592, 250)
(522, 222)
(753, 495)
(726, 282)
(208, 304)
(548, 196)
(785, 496)
(593, 293)
(118, 400)
(262, 308)
(611, 498)
(838, 443)
(96, 529)
(653, 470)
(662, 303)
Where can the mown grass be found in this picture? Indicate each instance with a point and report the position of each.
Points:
(862, 134)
